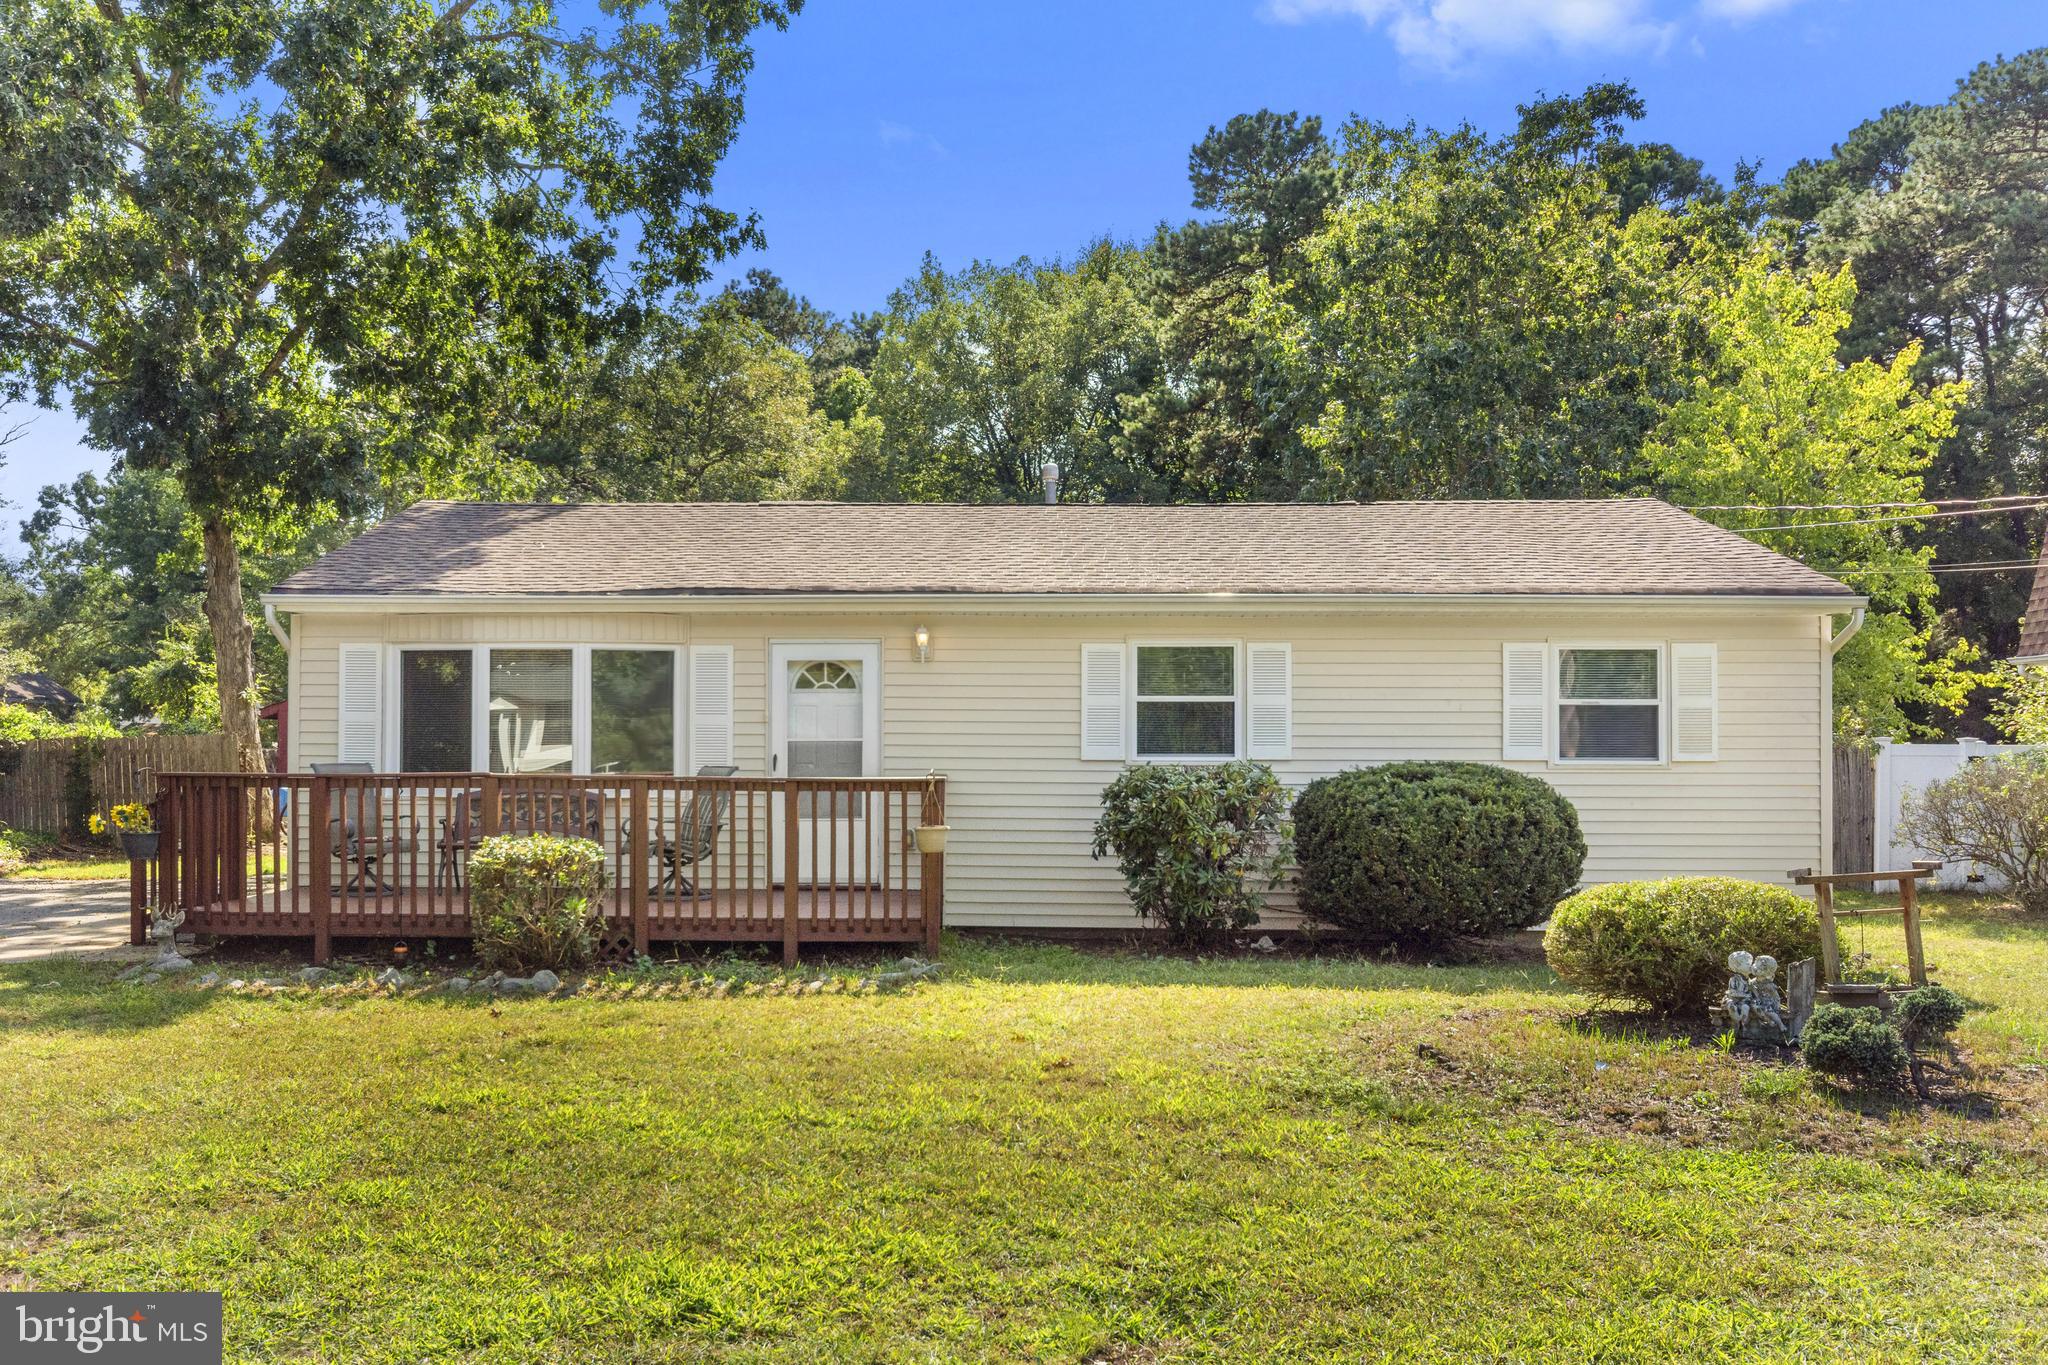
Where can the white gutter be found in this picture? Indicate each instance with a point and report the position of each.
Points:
(276, 630)
(1847, 633)
(1035, 602)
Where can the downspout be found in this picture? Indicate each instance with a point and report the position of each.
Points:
(1846, 634)
(284, 641)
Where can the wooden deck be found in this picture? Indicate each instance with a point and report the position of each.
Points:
(864, 914)
(716, 859)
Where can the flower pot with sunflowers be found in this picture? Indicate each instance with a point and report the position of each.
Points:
(133, 825)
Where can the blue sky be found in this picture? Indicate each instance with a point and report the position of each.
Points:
(880, 129)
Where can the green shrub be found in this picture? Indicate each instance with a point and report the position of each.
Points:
(1419, 853)
(1665, 945)
(1856, 1045)
(1198, 843)
(533, 901)
(1928, 1015)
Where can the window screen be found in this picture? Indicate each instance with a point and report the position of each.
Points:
(1186, 701)
(633, 710)
(433, 710)
(1608, 705)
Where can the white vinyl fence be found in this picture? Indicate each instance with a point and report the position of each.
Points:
(1906, 768)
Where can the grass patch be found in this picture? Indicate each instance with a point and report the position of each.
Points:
(1047, 1155)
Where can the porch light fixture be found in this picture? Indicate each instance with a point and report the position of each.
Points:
(922, 638)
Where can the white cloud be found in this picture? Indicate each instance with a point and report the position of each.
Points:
(901, 135)
(1446, 33)
(1739, 10)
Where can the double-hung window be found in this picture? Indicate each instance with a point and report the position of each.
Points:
(1185, 701)
(1610, 704)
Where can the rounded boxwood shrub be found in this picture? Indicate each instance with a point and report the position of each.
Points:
(1665, 945)
(1856, 1045)
(1418, 853)
(533, 901)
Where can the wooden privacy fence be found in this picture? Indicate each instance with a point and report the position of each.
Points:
(55, 783)
(1855, 810)
(794, 860)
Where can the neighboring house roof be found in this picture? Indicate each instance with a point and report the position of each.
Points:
(1618, 546)
(41, 691)
(2034, 625)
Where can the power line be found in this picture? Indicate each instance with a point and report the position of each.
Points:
(1884, 521)
(1981, 566)
(1861, 506)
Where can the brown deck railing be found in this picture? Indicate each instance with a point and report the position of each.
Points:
(794, 860)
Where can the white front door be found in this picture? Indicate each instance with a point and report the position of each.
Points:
(825, 722)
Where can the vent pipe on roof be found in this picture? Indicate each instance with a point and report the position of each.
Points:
(1051, 474)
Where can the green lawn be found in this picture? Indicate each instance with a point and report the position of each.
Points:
(1047, 1155)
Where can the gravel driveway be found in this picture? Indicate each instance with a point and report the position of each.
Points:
(44, 918)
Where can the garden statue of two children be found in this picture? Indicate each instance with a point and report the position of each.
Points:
(1756, 1009)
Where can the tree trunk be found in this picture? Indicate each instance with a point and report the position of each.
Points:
(234, 644)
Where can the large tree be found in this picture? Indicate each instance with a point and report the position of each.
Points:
(1943, 213)
(1775, 427)
(266, 246)
(1489, 316)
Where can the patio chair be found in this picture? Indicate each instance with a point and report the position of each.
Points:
(699, 833)
(357, 832)
(520, 812)
(460, 832)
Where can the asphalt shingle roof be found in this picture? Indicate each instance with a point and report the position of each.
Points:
(2034, 625)
(1632, 546)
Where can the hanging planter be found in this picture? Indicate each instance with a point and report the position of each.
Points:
(133, 824)
(931, 833)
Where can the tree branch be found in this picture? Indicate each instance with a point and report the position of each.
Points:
(453, 14)
(50, 331)
(111, 11)
(322, 183)
(283, 351)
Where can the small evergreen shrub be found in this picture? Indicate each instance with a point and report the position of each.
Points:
(1198, 844)
(1664, 945)
(1416, 854)
(1856, 1045)
(533, 901)
(1928, 1015)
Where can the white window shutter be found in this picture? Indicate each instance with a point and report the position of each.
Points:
(711, 741)
(1269, 701)
(1525, 701)
(1695, 704)
(1102, 701)
(359, 726)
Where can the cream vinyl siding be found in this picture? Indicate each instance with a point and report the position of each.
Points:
(998, 709)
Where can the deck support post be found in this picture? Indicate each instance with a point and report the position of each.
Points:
(638, 871)
(932, 899)
(320, 855)
(166, 809)
(138, 894)
(789, 871)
